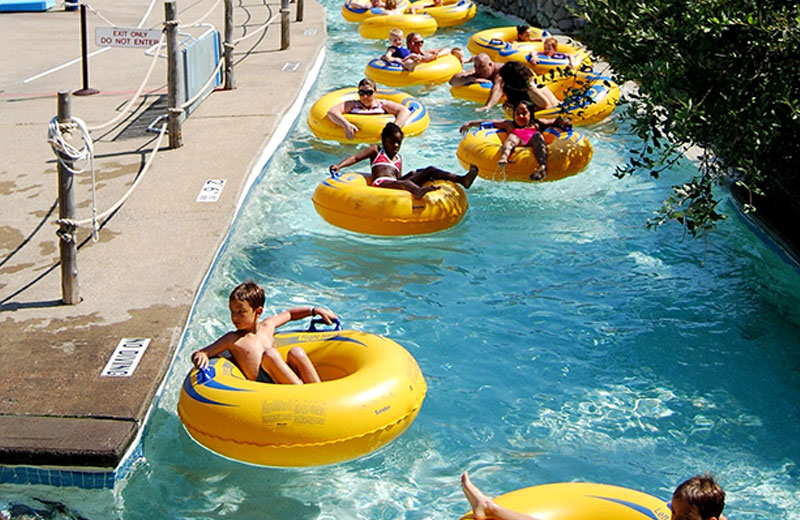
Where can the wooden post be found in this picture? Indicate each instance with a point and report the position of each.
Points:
(175, 93)
(300, 7)
(229, 46)
(67, 245)
(86, 90)
(285, 25)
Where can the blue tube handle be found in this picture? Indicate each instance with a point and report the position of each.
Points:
(337, 325)
(204, 376)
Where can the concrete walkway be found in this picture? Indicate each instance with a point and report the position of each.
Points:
(140, 279)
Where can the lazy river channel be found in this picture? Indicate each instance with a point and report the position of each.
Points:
(559, 338)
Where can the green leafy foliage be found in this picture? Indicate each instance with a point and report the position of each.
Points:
(723, 75)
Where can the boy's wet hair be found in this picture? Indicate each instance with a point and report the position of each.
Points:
(391, 129)
(521, 29)
(249, 292)
(396, 31)
(704, 494)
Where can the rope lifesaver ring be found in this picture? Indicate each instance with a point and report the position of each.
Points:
(437, 71)
(501, 45)
(346, 201)
(378, 27)
(568, 152)
(312, 424)
(453, 12)
(597, 102)
(369, 125)
(583, 501)
(358, 11)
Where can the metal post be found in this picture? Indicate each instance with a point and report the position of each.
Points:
(284, 25)
(85, 91)
(67, 245)
(175, 93)
(229, 46)
(300, 8)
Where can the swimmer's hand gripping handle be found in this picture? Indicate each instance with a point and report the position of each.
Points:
(337, 325)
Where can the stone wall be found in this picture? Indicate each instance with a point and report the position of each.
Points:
(545, 14)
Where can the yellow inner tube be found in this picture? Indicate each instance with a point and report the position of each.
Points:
(369, 125)
(598, 96)
(371, 392)
(502, 46)
(346, 201)
(437, 71)
(568, 152)
(358, 11)
(378, 27)
(583, 501)
(453, 12)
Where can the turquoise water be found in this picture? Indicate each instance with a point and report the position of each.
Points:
(559, 338)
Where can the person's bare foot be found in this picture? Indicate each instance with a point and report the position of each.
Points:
(469, 178)
(479, 502)
(539, 174)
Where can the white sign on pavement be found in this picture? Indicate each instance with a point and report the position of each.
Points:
(126, 357)
(126, 37)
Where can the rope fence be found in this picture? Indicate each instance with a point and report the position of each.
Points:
(64, 130)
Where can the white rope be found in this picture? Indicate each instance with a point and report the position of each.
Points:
(127, 107)
(100, 15)
(257, 30)
(121, 201)
(67, 155)
(109, 22)
(200, 92)
(202, 17)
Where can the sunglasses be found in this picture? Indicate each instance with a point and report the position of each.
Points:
(365, 92)
(417, 42)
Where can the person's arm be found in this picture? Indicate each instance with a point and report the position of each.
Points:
(401, 112)
(462, 78)
(336, 114)
(469, 124)
(497, 123)
(359, 156)
(200, 357)
(298, 313)
(494, 95)
(389, 57)
(430, 55)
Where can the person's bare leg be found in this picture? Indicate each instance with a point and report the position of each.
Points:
(484, 507)
(299, 361)
(277, 368)
(539, 146)
(469, 178)
(423, 175)
(511, 142)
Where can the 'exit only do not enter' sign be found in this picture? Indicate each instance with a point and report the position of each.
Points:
(126, 37)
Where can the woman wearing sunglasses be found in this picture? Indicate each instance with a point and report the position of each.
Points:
(414, 43)
(366, 104)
